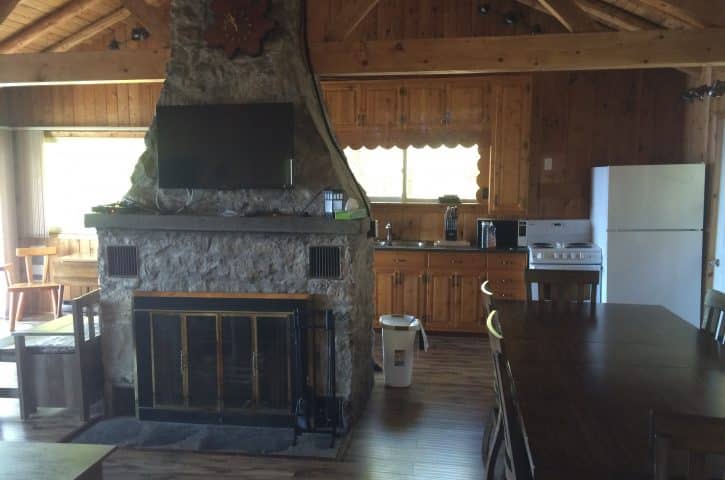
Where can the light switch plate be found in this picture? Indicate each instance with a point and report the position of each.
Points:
(548, 163)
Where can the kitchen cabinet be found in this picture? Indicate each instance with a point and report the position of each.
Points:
(381, 100)
(468, 104)
(424, 105)
(344, 104)
(506, 273)
(443, 288)
(399, 283)
(508, 180)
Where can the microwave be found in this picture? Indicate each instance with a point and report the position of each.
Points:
(509, 234)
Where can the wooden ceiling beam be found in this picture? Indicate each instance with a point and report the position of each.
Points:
(154, 19)
(614, 17)
(36, 29)
(352, 14)
(106, 66)
(6, 8)
(695, 13)
(570, 15)
(549, 52)
(90, 31)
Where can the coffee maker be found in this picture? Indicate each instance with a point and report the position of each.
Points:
(450, 222)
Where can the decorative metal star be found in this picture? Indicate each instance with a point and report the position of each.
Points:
(239, 26)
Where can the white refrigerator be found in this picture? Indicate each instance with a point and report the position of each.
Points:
(648, 221)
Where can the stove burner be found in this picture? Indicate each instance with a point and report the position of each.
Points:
(579, 245)
(542, 245)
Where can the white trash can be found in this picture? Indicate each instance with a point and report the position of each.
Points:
(398, 345)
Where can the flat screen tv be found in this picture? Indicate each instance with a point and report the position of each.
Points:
(225, 147)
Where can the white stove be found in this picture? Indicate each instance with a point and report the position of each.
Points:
(562, 245)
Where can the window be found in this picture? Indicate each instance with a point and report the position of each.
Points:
(81, 172)
(416, 174)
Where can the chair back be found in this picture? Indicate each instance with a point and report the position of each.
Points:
(494, 332)
(518, 465)
(712, 315)
(27, 254)
(563, 285)
(488, 305)
(7, 274)
(695, 434)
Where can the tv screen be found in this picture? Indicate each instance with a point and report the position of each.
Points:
(225, 147)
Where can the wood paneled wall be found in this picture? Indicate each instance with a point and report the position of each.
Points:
(399, 19)
(579, 120)
(118, 105)
(586, 119)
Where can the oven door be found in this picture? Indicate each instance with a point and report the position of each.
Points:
(575, 267)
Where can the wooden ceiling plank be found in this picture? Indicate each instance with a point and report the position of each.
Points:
(549, 52)
(615, 17)
(155, 19)
(353, 13)
(649, 13)
(570, 15)
(6, 8)
(696, 13)
(31, 32)
(107, 66)
(91, 30)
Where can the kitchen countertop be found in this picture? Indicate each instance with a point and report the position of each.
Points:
(431, 248)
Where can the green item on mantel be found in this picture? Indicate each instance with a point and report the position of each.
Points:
(351, 214)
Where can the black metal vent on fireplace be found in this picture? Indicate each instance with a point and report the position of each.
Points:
(324, 262)
(122, 261)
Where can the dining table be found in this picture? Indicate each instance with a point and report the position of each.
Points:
(587, 377)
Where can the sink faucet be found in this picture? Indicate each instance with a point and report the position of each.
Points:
(388, 233)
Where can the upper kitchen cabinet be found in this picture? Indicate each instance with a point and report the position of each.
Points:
(381, 102)
(468, 104)
(424, 105)
(343, 104)
(508, 182)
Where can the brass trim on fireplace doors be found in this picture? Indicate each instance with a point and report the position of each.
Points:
(182, 317)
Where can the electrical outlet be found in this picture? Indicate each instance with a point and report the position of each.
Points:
(548, 164)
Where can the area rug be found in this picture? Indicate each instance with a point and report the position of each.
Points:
(134, 433)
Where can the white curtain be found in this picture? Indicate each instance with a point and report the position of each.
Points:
(29, 186)
(8, 219)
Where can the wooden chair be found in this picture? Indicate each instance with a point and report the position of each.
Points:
(712, 315)
(17, 291)
(695, 434)
(7, 275)
(517, 465)
(563, 285)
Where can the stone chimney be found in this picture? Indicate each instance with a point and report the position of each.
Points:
(264, 249)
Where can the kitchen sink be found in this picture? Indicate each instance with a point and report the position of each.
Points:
(405, 243)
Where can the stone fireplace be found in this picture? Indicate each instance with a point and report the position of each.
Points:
(264, 246)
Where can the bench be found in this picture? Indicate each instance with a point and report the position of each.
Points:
(59, 362)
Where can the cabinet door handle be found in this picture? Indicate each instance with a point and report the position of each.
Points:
(456, 262)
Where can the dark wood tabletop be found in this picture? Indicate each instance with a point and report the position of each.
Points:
(586, 380)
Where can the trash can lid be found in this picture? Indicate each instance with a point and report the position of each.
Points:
(400, 322)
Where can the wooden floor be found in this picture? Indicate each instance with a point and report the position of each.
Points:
(432, 430)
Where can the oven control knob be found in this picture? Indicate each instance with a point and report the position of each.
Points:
(581, 256)
(539, 256)
(556, 256)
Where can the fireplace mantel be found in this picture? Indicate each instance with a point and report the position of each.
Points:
(210, 223)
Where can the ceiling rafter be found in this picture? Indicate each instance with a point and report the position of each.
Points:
(649, 13)
(570, 15)
(155, 19)
(692, 12)
(353, 13)
(25, 36)
(105, 66)
(615, 17)
(6, 8)
(518, 53)
(90, 31)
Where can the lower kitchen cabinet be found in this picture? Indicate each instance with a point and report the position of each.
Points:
(443, 289)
